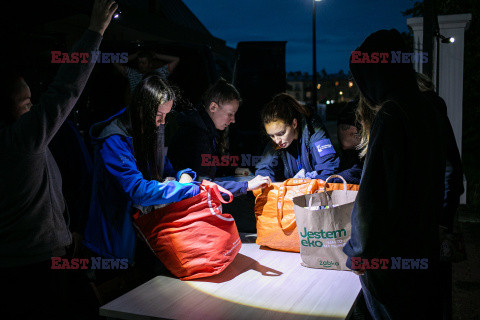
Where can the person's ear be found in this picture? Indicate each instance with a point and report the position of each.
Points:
(213, 107)
(294, 124)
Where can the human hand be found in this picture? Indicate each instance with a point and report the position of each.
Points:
(242, 172)
(360, 272)
(102, 13)
(185, 178)
(258, 182)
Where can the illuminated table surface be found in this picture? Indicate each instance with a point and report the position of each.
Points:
(259, 284)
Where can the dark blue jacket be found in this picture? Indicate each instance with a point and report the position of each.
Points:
(313, 152)
(196, 136)
(118, 186)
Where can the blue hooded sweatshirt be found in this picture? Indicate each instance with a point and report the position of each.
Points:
(313, 152)
(118, 186)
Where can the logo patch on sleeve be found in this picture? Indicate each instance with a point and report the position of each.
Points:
(324, 147)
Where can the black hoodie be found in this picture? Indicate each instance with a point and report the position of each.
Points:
(401, 190)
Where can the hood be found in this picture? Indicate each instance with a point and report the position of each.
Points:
(113, 125)
(378, 81)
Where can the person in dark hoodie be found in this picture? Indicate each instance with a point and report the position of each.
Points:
(300, 146)
(128, 176)
(202, 136)
(396, 212)
(33, 227)
(348, 133)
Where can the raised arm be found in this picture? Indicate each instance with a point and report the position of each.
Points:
(34, 130)
(171, 60)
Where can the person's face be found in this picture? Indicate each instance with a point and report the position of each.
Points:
(281, 133)
(348, 136)
(162, 111)
(21, 98)
(143, 65)
(224, 114)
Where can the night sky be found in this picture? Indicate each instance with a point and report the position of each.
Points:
(342, 25)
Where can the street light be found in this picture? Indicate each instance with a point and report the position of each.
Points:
(314, 75)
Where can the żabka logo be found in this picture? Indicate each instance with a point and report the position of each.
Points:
(396, 263)
(328, 263)
(93, 263)
(82, 57)
(389, 57)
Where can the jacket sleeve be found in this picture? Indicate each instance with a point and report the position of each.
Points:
(453, 175)
(35, 129)
(379, 200)
(324, 158)
(237, 188)
(120, 163)
(270, 165)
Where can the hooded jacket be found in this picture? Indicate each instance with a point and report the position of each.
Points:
(313, 152)
(401, 191)
(33, 214)
(196, 137)
(118, 186)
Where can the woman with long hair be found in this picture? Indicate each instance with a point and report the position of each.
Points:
(129, 166)
(202, 137)
(300, 145)
(400, 199)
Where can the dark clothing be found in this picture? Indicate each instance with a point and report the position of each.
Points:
(453, 171)
(312, 151)
(32, 207)
(76, 167)
(197, 136)
(394, 215)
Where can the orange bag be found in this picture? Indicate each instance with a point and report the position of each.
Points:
(192, 238)
(276, 225)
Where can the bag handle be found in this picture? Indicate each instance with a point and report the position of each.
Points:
(345, 187)
(216, 190)
(312, 185)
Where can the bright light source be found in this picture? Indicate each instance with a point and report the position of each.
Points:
(452, 39)
(340, 93)
(328, 102)
(319, 86)
(336, 83)
(350, 84)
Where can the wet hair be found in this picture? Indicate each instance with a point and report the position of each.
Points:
(285, 108)
(142, 110)
(10, 83)
(221, 92)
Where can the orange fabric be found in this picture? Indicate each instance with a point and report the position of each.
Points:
(276, 226)
(192, 238)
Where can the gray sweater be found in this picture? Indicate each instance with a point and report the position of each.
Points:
(32, 207)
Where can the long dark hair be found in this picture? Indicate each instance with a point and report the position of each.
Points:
(283, 107)
(147, 96)
(221, 92)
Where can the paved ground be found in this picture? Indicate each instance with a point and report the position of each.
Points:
(466, 274)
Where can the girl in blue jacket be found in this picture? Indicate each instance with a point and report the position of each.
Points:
(129, 165)
(300, 146)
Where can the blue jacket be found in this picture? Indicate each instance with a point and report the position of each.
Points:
(118, 186)
(313, 151)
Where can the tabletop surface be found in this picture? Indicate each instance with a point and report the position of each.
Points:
(259, 284)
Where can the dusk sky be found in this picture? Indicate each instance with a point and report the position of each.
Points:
(342, 25)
